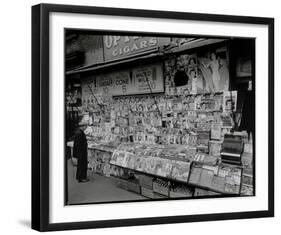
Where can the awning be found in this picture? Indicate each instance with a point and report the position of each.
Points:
(137, 57)
(190, 44)
(194, 44)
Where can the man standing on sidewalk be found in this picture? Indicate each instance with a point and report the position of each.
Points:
(80, 151)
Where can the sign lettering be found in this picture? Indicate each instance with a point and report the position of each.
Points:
(141, 80)
(116, 47)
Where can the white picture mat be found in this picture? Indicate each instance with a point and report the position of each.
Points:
(60, 213)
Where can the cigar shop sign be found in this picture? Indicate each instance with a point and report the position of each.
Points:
(119, 47)
(139, 80)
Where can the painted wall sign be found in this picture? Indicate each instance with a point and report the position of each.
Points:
(139, 80)
(117, 47)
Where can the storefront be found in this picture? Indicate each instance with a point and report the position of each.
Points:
(166, 116)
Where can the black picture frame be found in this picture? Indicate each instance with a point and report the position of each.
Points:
(40, 116)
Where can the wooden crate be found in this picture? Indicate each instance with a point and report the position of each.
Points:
(120, 183)
(146, 181)
(134, 187)
(157, 188)
(178, 195)
(159, 196)
(203, 192)
(147, 192)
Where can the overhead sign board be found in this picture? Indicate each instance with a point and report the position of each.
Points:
(118, 47)
(139, 80)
